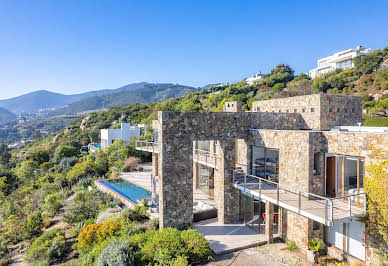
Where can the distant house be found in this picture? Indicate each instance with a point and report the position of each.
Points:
(108, 136)
(255, 78)
(343, 59)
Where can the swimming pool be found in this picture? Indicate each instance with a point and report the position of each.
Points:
(128, 190)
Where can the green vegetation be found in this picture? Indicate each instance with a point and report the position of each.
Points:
(50, 246)
(376, 122)
(316, 244)
(291, 245)
(51, 177)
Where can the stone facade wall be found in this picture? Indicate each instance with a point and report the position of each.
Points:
(340, 110)
(177, 131)
(294, 154)
(232, 106)
(319, 111)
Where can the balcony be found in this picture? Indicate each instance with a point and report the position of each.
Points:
(205, 158)
(318, 208)
(149, 146)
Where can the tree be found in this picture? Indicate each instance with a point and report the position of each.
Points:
(336, 82)
(280, 74)
(64, 151)
(301, 76)
(5, 155)
(319, 85)
(376, 187)
(368, 63)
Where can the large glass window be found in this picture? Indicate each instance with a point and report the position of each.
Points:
(265, 163)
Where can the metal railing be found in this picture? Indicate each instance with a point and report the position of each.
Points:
(207, 157)
(145, 145)
(329, 202)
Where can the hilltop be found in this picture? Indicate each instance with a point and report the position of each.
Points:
(92, 100)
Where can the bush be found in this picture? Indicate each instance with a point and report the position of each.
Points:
(64, 151)
(163, 246)
(116, 253)
(319, 85)
(196, 245)
(33, 225)
(154, 223)
(130, 164)
(87, 205)
(94, 233)
(139, 213)
(52, 204)
(49, 246)
(291, 245)
(316, 244)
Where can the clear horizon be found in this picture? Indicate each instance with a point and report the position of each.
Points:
(73, 47)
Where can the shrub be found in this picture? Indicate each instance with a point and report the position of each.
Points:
(139, 213)
(316, 244)
(163, 246)
(278, 87)
(179, 261)
(291, 245)
(52, 204)
(116, 253)
(196, 245)
(97, 232)
(64, 151)
(154, 223)
(33, 225)
(49, 246)
(87, 205)
(319, 85)
(130, 164)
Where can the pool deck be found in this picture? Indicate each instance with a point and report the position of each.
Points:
(225, 238)
(143, 179)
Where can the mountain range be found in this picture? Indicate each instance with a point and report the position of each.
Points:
(142, 92)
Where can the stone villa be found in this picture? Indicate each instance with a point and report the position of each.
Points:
(291, 168)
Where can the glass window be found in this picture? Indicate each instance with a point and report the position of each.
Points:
(317, 163)
(350, 175)
(265, 163)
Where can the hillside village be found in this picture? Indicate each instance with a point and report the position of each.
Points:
(53, 200)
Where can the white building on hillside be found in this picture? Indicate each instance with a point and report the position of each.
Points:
(255, 78)
(108, 136)
(343, 59)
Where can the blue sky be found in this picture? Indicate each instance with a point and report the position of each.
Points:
(76, 46)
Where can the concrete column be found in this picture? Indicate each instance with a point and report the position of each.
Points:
(226, 195)
(269, 214)
(155, 164)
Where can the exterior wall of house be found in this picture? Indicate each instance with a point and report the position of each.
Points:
(232, 106)
(124, 134)
(343, 59)
(176, 143)
(318, 111)
(238, 131)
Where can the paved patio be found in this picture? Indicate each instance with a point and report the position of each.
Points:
(225, 238)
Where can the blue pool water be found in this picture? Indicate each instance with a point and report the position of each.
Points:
(127, 189)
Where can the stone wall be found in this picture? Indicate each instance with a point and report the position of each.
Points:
(318, 111)
(177, 131)
(232, 106)
(340, 110)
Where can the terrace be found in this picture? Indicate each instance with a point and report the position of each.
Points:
(318, 208)
(206, 158)
(142, 145)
